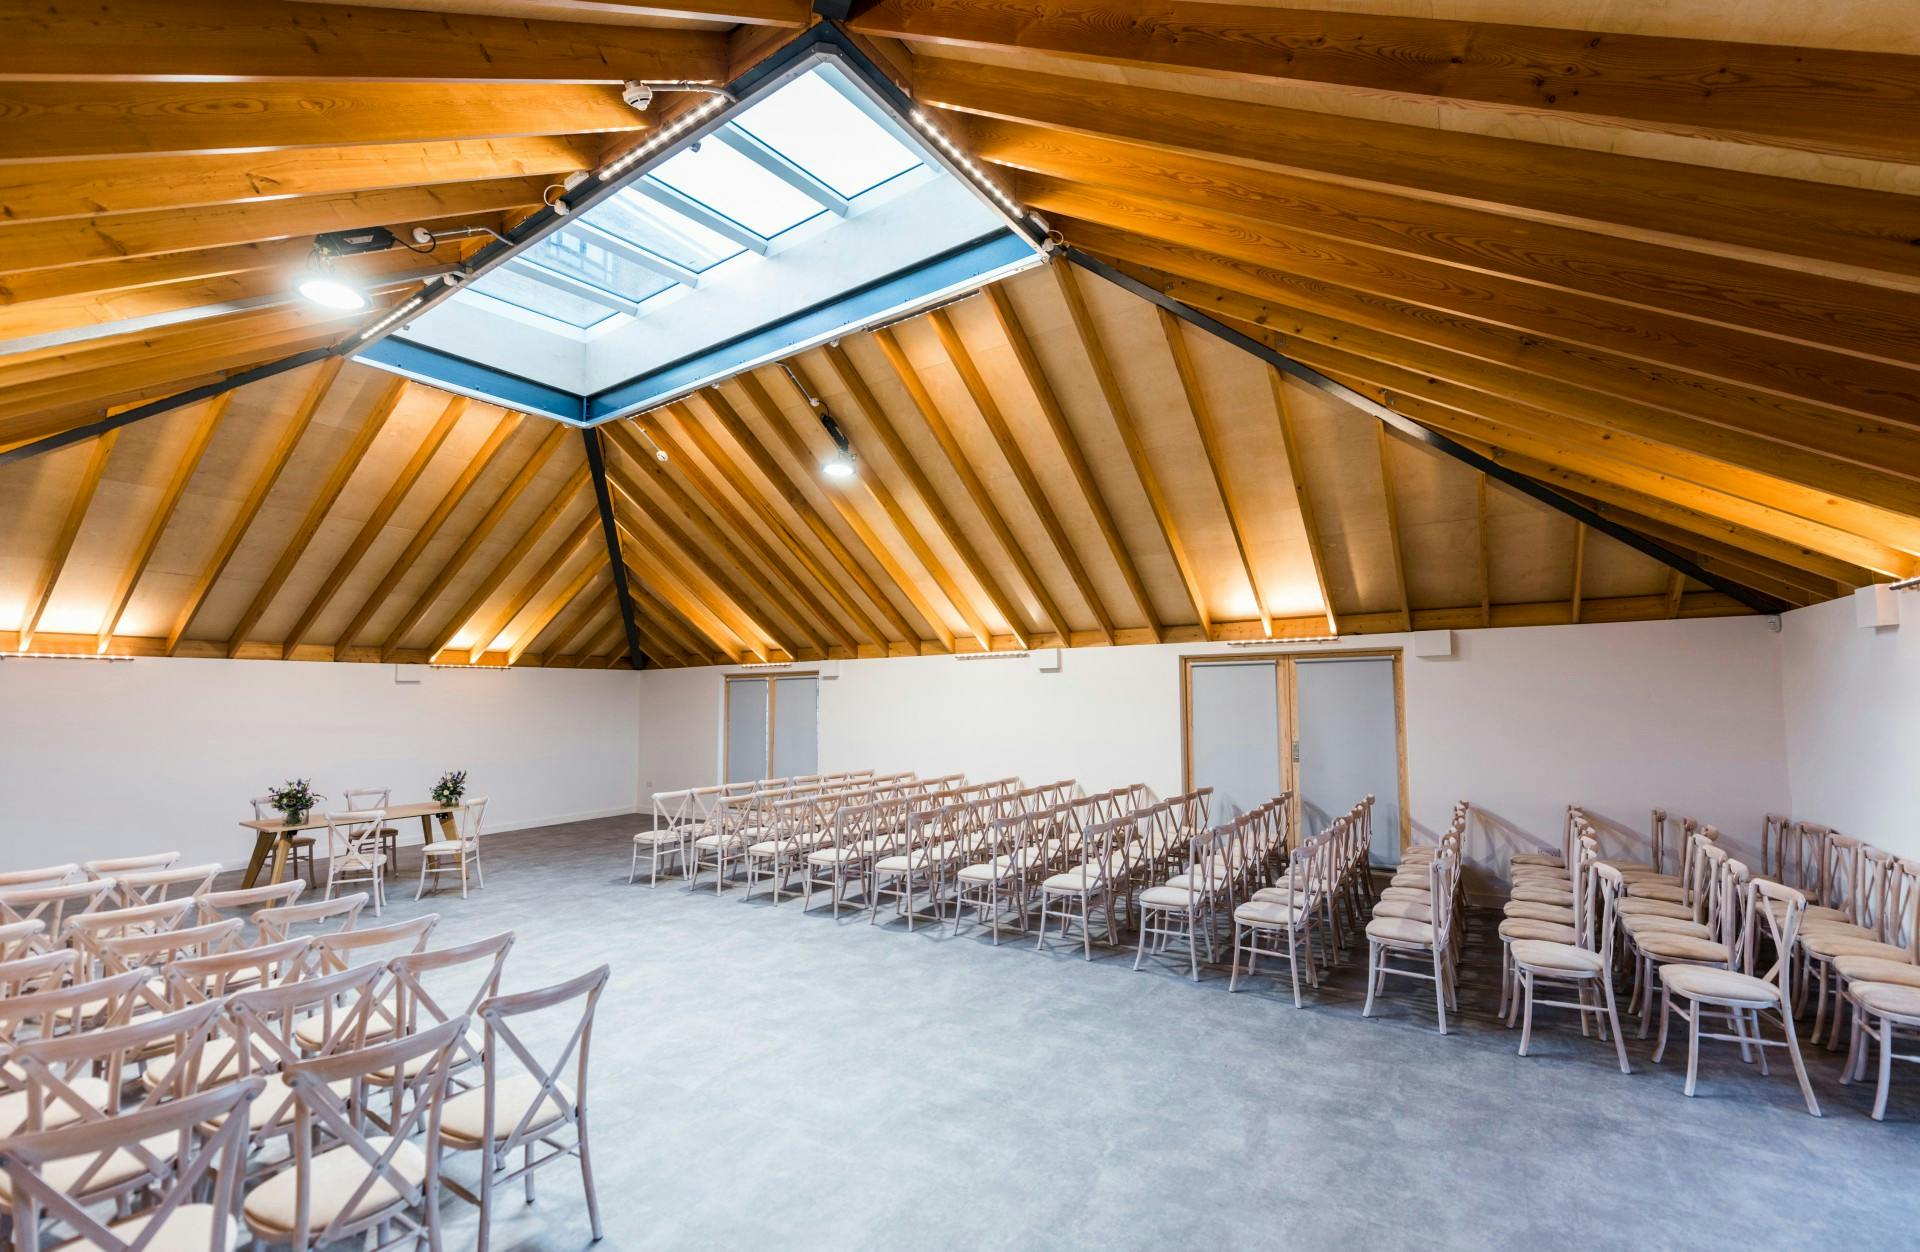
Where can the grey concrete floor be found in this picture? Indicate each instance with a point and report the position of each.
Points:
(766, 1078)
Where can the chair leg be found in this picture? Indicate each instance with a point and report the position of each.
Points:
(586, 1181)
(1693, 1045)
(1613, 1021)
(1666, 1007)
(1886, 1067)
(1800, 1069)
(1373, 961)
(1526, 1016)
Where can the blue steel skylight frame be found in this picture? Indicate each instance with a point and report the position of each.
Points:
(931, 280)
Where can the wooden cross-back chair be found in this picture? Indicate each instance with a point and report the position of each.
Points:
(1282, 920)
(113, 866)
(87, 932)
(246, 902)
(54, 1011)
(332, 916)
(280, 1025)
(1183, 909)
(52, 906)
(18, 939)
(51, 1174)
(149, 886)
(535, 1112)
(1073, 894)
(41, 876)
(355, 857)
(449, 983)
(37, 972)
(997, 875)
(344, 1181)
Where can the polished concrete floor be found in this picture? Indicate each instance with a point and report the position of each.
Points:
(764, 1078)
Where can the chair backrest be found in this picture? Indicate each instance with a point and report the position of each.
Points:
(1840, 873)
(263, 810)
(448, 983)
(499, 1014)
(218, 974)
(344, 948)
(472, 817)
(113, 867)
(53, 905)
(18, 939)
(201, 1157)
(150, 952)
(1875, 869)
(37, 972)
(341, 1005)
(56, 1070)
(149, 886)
(1608, 887)
(326, 916)
(245, 902)
(89, 932)
(355, 834)
(44, 876)
(366, 798)
(77, 1006)
(1902, 908)
(1782, 925)
(417, 1066)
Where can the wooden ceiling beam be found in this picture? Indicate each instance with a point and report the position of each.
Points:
(711, 494)
(56, 561)
(996, 422)
(681, 560)
(1069, 444)
(1302, 494)
(789, 490)
(336, 482)
(1483, 538)
(1121, 412)
(376, 522)
(271, 40)
(1394, 545)
(557, 506)
(759, 399)
(76, 241)
(471, 469)
(1204, 424)
(198, 437)
(668, 582)
(496, 510)
(882, 426)
(1885, 464)
(1676, 586)
(593, 611)
(563, 552)
(723, 465)
(1735, 562)
(1827, 100)
(544, 616)
(1579, 571)
(651, 469)
(1823, 390)
(1842, 231)
(316, 393)
(656, 620)
(1791, 304)
(58, 121)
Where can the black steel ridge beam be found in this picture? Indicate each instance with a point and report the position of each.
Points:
(597, 467)
(1440, 443)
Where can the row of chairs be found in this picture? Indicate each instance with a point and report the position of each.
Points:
(174, 1071)
(1413, 932)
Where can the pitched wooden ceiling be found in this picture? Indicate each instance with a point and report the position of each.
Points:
(1671, 275)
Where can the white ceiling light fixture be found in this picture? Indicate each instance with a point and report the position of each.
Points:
(840, 463)
(328, 290)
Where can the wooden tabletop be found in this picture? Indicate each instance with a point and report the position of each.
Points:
(318, 821)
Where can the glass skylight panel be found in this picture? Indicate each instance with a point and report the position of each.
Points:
(733, 186)
(663, 232)
(812, 124)
(535, 296)
(577, 255)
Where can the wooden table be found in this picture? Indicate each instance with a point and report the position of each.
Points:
(276, 836)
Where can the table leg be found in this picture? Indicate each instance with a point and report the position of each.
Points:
(261, 841)
(281, 845)
(447, 829)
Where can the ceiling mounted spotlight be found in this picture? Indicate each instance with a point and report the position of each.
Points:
(320, 284)
(840, 463)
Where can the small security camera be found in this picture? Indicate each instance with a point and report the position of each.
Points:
(637, 95)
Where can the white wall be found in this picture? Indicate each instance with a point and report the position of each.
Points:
(103, 759)
(1620, 718)
(1853, 721)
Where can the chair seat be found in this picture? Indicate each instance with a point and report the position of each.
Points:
(189, 1228)
(446, 847)
(1282, 895)
(1527, 910)
(1636, 907)
(1654, 924)
(1170, 896)
(311, 1033)
(1221, 876)
(829, 856)
(463, 1119)
(1892, 999)
(1400, 930)
(123, 1166)
(14, 1105)
(660, 834)
(336, 1174)
(986, 871)
(1545, 932)
(766, 847)
(1537, 858)
(1559, 958)
(1531, 893)
(1079, 878)
(1706, 982)
(1830, 948)
(1877, 969)
(1670, 892)
(1548, 873)
(1270, 913)
(716, 841)
(1671, 947)
(1420, 894)
(1412, 910)
(904, 861)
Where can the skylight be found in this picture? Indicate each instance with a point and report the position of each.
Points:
(812, 195)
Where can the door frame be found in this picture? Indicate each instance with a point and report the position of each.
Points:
(1285, 660)
(773, 700)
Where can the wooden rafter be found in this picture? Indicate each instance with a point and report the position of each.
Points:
(1393, 527)
(561, 503)
(583, 617)
(544, 616)
(882, 426)
(647, 469)
(880, 494)
(200, 435)
(376, 522)
(1799, 97)
(668, 581)
(268, 40)
(563, 552)
(544, 452)
(317, 388)
(799, 585)
(1483, 540)
(660, 626)
(336, 482)
(1302, 494)
(475, 466)
(56, 561)
(723, 465)
(1122, 413)
(1204, 424)
(1056, 415)
(687, 562)
(1579, 572)
(996, 422)
(909, 378)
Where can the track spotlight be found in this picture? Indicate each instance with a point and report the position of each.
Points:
(331, 292)
(839, 465)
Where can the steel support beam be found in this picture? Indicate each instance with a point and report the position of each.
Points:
(597, 468)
